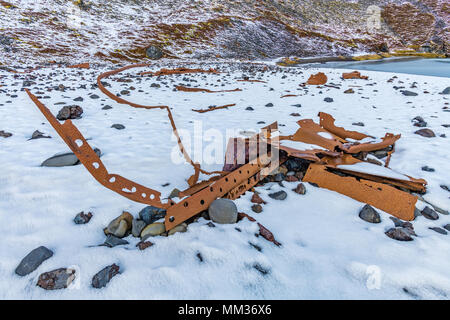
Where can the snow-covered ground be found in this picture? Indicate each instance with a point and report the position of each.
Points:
(327, 251)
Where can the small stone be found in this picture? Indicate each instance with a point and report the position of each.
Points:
(359, 124)
(120, 225)
(151, 214)
(112, 241)
(408, 93)
(261, 269)
(79, 99)
(447, 227)
(174, 194)
(118, 126)
(179, 228)
(349, 91)
(33, 260)
(257, 199)
(249, 109)
(295, 114)
(5, 134)
(427, 169)
(280, 195)
(257, 208)
(300, 189)
(144, 245)
(269, 105)
(70, 112)
(438, 230)
(64, 159)
(155, 85)
(94, 96)
(328, 99)
(223, 211)
(278, 177)
(105, 275)
(152, 230)
(211, 225)
(369, 214)
(106, 108)
(446, 188)
(136, 227)
(38, 135)
(291, 178)
(82, 218)
(400, 234)
(429, 213)
(427, 133)
(419, 122)
(57, 279)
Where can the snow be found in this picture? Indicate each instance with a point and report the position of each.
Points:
(327, 251)
(369, 168)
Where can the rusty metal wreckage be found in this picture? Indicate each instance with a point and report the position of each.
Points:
(338, 146)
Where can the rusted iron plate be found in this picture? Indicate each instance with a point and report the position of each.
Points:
(249, 80)
(165, 72)
(84, 152)
(213, 108)
(289, 95)
(80, 66)
(189, 89)
(388, 140)
(327, 122)
(354, 75)
(317, 79)
(398, 203)
(201, 200)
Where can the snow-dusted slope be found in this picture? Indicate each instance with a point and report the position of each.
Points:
(327, 251)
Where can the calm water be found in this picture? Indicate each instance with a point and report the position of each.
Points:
(427, 67)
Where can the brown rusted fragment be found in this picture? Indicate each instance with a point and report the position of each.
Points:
(263, 231)
(7, 4)
(289, 95)
(327, 122)
(248, 80)
(317, 79)
(388, 140)
(80, 66)
(165, 72)
(398, 203)
(213, 108)
(201, 200)
(354, 75)
(84, 152)
(188, 89)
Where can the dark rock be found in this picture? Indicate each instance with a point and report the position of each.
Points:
(278, 177)
(223, 211)
(400, 234)
(408, 93)
(136, 227)
(257, 208)
(438, 230)
(261, 269)
(359, 124)
(57, 279)
(419, 122)
(106, 108)
(5, 134)
(327, 99)
(300, 189)
(427, 133)
(269, 105)
(155, 85)
(427, 169)
(94, 96)
(369, 214)
(105, 275)
(82, 218)
(280, 195)
(429, 213)
(199, 256)
(33, 260)
(64, 159)
(446, 188)
(118, 126)
(249, 109)
(447, 227)
(112, 241)
(38, 135)
(144, 245)
(79, 99)
(349, 91)
(70, 112)
(154, 53)
(446, 91)
(151, 214)
(211, 225)
(120, 226)
(402, 224)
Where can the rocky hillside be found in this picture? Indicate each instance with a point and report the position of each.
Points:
(42, 31)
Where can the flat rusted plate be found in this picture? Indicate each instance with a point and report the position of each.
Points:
(317, 79)
(354, 75)
(388, 140)
(165, 72)
(80, 66)
(389, 199)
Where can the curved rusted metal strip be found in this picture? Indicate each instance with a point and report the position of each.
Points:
(193, 179)
(213, 108)
(91, 161)
(80, 66)
(248, 80)
(327, 122)
(388, 140)
(165, 72)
